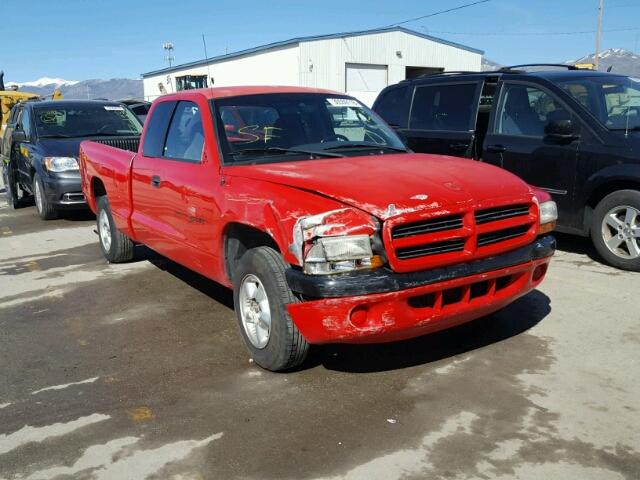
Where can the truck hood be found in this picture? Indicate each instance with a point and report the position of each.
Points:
(60, 147)
(389, 185)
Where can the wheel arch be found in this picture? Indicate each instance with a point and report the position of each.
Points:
(238, 238)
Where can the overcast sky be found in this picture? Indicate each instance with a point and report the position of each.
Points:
(82, 39)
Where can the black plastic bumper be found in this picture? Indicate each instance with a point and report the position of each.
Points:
(64, 191)
(384, 280)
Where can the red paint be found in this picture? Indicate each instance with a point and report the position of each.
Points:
(187, 217)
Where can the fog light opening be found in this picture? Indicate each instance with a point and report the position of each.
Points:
(539, 272)
(358, 316)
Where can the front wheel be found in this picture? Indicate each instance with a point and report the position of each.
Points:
(615, 230)
(45, 209)
(115, 245)
(260, 297)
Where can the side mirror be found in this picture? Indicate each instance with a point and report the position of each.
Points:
(560, 130)
(18, 136)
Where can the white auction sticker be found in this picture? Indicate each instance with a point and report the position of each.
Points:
(114, 108)
(343, 102)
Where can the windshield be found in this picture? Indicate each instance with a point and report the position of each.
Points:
(268, 127)
(613, 100)
(85, 120)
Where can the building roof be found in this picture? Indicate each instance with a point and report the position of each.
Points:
(297, 40)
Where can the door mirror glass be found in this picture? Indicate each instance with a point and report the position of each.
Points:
(19, 136)
(561, 129)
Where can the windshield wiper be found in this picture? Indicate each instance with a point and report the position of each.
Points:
(54, 135)
(246, 151)
(630, 129)
(367, 145)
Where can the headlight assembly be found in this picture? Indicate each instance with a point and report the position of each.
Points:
(61, 164)
(548, 216)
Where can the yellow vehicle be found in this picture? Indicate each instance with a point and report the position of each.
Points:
(9, 97)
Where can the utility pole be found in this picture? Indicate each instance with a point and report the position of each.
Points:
(168, 47)
(596, 61)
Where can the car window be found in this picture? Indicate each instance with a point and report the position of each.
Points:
(157, 129)
(394, 106)
(614, 100)
(25, 122)
(185, 138)
(525, 110)
(444, 107)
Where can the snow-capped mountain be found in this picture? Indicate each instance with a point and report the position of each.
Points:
(45, 82)
(620, 60)
(112, 89)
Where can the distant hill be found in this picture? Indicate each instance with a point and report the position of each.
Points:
(489, 65)
(113, 89)
(620, 60)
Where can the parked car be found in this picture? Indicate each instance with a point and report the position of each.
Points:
(574, 133)
(41, 144)
(323, 236)
(140, 108)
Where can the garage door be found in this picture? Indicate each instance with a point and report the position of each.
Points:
(365, 81)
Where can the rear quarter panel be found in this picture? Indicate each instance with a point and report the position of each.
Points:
(112, 167)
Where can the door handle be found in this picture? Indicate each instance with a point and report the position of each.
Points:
(155, 181)
(458, 147)
(496, 148)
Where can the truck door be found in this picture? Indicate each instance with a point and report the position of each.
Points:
(189, 182)
(442, 118)
(517, 141)
(146, 181)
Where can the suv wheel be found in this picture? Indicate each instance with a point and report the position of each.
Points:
(260, 296)
(45, 209)
(11, 187)
(615, 230)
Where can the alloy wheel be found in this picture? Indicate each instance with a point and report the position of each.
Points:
(255, 311)
(621, 231)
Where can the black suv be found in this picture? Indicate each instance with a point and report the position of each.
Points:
(41, 144)
(574, 133)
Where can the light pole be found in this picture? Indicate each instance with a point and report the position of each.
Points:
(168, 47)
(596, 61)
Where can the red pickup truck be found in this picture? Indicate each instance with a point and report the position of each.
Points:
(312, 209)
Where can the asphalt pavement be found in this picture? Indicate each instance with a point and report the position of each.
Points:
(138, 371)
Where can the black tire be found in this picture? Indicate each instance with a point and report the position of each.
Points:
(11, 187)
(613, 201)
(286, 348)
(119, 248)
(45, 209)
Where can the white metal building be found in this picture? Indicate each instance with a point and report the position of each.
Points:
(358, 63)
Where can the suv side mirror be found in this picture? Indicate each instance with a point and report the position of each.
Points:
(19, 136)
(560, 130)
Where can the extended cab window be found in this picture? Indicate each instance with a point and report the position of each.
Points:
(444, 107)
(157, 129)
(186, 136)
(524, 111)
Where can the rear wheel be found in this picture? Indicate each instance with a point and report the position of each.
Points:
(115, 245)
(45, 209)
(260, 297)
(615, 230)
(11, 187)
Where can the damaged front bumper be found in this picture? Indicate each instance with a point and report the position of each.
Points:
(380, 305)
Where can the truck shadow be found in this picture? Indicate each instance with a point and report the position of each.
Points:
(515, 319)
(213, 290)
